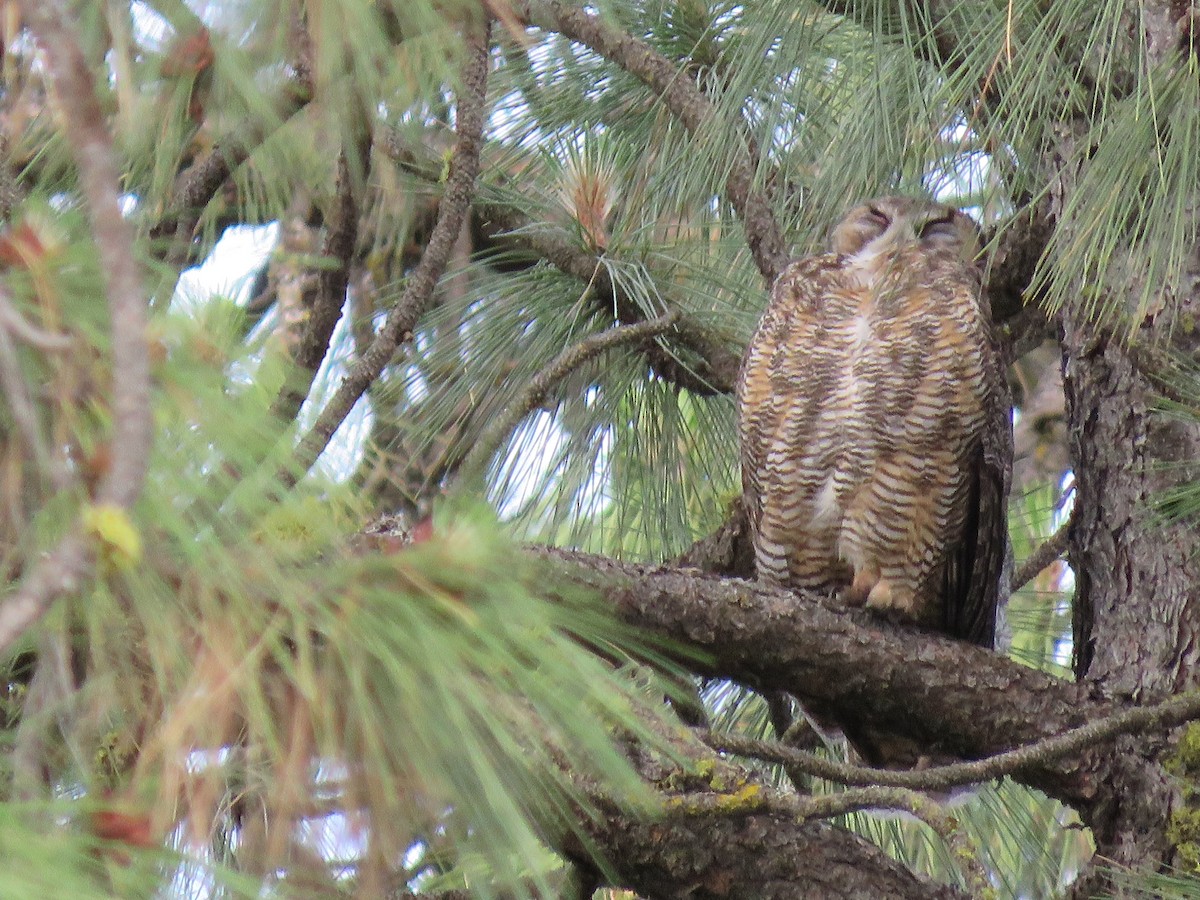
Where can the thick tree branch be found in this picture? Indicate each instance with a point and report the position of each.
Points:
(857, 669)
(686, 102)
(724, 835)
(452, 213)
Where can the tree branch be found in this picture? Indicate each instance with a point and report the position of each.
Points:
(325, 308)
(713, 368)
(1013, 260)
(24, 412)
(60, 571)
(716, 367)
(828, 806)
(539, 386)
(99, 180)
(725, 835)
(687, 103)
(860, 670)
(1050, 550)
(452, 212)
(1160, 716)
(199, 183)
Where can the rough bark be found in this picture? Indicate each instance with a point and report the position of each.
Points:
(1136, 612)
(756, 857)
(859, 670)
(754, 854)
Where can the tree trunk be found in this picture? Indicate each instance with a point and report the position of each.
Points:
(1137, 572)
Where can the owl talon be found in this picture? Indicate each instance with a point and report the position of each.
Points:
(860, 590)
(880, 596)
(883, 598)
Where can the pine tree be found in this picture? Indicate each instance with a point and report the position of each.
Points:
(400, 555)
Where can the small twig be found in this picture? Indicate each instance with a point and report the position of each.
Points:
(539, 386)
(1168, 714)
(403, 318)
(26, 332)
(827, 806)
(1050, 550)
(24, 413)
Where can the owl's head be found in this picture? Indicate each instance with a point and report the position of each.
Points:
(877, 229)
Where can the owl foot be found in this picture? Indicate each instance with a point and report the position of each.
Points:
(883, 598)
(880, 596)
(862, 588)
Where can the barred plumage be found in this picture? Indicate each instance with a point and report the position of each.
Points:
(875, 426)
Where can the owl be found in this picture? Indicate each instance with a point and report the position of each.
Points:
(875, 425)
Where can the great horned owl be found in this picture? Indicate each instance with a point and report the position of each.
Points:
(875, 428)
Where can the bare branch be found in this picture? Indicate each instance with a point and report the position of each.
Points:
(452, 213)
(539, 386)
(1158, 717)
(1053, 548)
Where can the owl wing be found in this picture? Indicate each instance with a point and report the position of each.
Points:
(975, 578)
(776, 382)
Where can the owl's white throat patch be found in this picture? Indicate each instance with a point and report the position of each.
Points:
(862, 333)
(867, 264)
